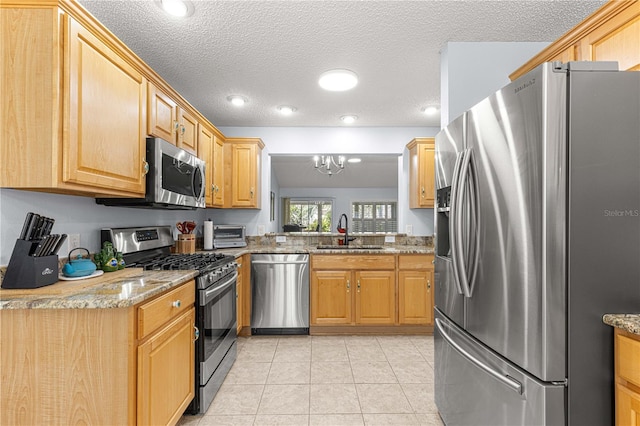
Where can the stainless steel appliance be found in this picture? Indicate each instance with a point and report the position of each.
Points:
(229, 236)
(175, 180)
(537, 236)
(280, 294)
(215, 349)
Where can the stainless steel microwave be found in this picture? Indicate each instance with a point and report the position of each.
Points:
(176, 180)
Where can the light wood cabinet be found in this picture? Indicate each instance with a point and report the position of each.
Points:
(353, 289)
(64, 89)
(218, 171)
(240, 294)
(211, 150)
(421, 172)
(611, 33)
(243, 163)
(627, 378)
(415, 289)
(168, 120)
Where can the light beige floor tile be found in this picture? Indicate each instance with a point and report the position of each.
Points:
(236, 399)
(289, 373)
(431, 419)
(366, 353)
(285, 399)
(292, 354)
(294, 341)
(373, 372)
(332, 352)
(402, 353)
(237, 420)
(248, 373)
(390, 419)
(395, 340)
(256, 353)
(420, 396)
(334, 398)
(413, 372)
(270, 341)
(382, 398)
(336, 420)
(331, 372)
(282, 419)
(189, 420)
(328, 339)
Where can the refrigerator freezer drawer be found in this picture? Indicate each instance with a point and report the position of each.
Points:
(474, 386)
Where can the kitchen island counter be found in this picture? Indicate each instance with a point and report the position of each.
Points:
(627, 322)
(314, 250)
(112, 290)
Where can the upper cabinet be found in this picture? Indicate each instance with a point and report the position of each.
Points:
(64, 88)
(421, 173)
(611, 33)
(168, 120)
(243, 163)
(211, 150)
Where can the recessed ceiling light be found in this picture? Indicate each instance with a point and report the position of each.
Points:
(338, 80)
(430, 110)
(179, 8)
(349, 119)
(354, 160)
(286, 109)
(237, 100)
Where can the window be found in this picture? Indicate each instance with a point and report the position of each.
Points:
(374, 216)
(311, 215)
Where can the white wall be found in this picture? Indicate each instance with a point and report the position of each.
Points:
(472, 71)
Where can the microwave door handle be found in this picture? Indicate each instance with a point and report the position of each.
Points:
(199, 172)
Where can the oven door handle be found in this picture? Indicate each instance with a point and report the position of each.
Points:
(210, 294)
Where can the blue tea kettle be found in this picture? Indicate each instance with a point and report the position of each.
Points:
(78, 267)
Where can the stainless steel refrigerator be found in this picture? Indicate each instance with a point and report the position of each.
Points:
(537, 231)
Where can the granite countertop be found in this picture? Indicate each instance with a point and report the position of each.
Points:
(314, 250)
(112, 290)
(627, 322)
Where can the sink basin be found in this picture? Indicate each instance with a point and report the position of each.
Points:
(350, 247)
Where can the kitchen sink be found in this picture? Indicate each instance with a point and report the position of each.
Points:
(350, 247)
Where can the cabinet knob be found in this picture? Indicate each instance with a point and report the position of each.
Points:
(251, 192)
(196, 333)
(213, 188)
(145, 167)
(182, 130)
(348, 285)
(176, 125)
(423, 192)
(358, 286)
(176, 303)
(428, 284)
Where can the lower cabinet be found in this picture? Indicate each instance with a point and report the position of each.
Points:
(415, 289)
(353, 289)
(240, 295)
(243, 294)
(627, 377)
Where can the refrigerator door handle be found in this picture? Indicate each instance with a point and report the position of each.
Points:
(475, 221)
(506, 380)
(459, 237)
(453, 212)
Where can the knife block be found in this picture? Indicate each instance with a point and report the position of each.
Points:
(26, 271)
(186, 243)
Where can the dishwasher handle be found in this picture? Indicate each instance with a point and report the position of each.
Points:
(279, 262)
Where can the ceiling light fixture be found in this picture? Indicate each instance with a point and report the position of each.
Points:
(179, 8)
(338, 80)
(237, 100)
(327, 165)
(286, 109)
(349, 119)
(430, 110)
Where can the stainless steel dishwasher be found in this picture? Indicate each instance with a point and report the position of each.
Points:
(279, 294)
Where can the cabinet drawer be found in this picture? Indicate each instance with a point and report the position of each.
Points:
(629, 359)
(157, 312)
(415, 261)
(352, 262)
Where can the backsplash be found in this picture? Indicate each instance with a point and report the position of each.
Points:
(311, 239)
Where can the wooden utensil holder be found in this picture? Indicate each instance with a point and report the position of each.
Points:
(186, 243)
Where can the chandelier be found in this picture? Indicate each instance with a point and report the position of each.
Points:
(327, 165)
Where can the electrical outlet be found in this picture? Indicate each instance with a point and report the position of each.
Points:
(73, 241)
(281, 238)
(261, 230)
(389, 238)
(409, 230)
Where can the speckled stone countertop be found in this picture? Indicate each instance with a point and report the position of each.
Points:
(627, 322)
(315, 250)
(112, 290)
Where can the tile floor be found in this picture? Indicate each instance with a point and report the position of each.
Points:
(327, 380)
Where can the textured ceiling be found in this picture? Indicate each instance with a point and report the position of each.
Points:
(272, 52)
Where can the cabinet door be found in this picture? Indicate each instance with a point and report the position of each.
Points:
(218, 172)
(104, 146)
(331, 297)
(415, 297)
(187, 131)
(166, 372)
(627, 406)
(205, 152)
(375, 297)
(243, 184)
(161, 115)
(426, 175)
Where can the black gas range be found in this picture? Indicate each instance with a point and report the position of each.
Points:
(150, 248)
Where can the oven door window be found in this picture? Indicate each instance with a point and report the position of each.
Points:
(219, 315)
(180, 177)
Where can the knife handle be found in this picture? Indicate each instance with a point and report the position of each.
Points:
(25, 227)
(59, 244)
